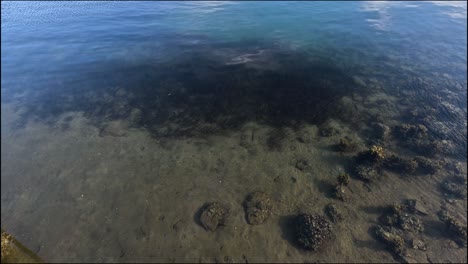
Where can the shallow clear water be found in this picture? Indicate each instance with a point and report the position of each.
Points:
(121, 119)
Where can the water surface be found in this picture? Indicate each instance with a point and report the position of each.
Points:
(121, 119)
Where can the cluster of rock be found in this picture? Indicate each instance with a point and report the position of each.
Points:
(258, 207)
(396, 224)
(310, 231)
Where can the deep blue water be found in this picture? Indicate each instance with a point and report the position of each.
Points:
(67, 56)
(47, 42)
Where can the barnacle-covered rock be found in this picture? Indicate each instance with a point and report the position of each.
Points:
(312, 231)
(213, 215)
(258, 207)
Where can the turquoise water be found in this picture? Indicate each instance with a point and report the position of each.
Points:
(196, 70)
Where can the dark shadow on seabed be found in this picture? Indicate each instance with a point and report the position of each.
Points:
(205, 90)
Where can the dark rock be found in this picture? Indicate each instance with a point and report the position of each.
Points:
(213, 215)
(312, 231)
(258, 207)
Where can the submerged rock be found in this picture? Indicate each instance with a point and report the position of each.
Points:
(302, 165)
(374, 155)
(366, 173)
(427, 166)
(346, 144)
(410, 223)
(339, 192)
(397, 215)
(454, 228)
(312, 231)
(456, 186)
(213, 215)
(343, 179)
(393, 239)
(381, 131)
(418, 244)
(329, 131)
(258, 207)
(412, 206)
(400, 165)
(407, 131)
(114, 128)
(332, 212)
